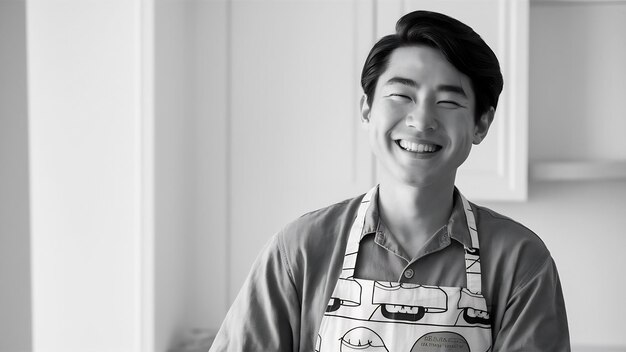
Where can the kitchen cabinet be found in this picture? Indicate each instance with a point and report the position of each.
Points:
(578, 83)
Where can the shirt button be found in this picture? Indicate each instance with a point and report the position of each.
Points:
(408, 273)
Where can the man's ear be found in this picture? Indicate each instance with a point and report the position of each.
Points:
(482, 125)
(365, 110)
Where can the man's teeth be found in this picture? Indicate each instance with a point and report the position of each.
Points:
(416, 147)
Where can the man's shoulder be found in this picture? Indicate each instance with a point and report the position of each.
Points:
(314, 241)
(504, 230)
(326, 221)
(508, 247)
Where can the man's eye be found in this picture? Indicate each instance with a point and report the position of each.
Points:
(400, 96)
(449, 104)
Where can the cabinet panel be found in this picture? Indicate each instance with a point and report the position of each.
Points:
(294, 140)
(577, 87)
(578, 79)
(497, 168)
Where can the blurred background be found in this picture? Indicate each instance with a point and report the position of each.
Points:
(149, 149)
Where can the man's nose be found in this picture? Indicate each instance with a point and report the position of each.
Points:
(422, 118)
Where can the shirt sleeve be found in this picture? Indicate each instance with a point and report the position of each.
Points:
(265, 315)
(535, 318)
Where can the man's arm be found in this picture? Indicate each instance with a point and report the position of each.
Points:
(265, 316)
(535, 318)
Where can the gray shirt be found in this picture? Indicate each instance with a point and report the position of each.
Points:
(281, 303)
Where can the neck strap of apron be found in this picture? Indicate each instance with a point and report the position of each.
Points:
(472, 255)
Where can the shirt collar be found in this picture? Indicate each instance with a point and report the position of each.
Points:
(456, 227)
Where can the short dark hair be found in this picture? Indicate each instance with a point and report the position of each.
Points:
(458, 43)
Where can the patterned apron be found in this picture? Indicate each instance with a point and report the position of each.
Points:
(378, 316)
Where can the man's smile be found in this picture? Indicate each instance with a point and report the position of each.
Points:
(414, 147)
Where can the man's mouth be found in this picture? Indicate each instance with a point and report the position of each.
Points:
(413, 147)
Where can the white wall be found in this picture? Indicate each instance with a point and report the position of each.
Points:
(85, 142)
(15, 320)
(583, 223)
(191, 282)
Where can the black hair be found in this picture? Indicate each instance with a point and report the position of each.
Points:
(458, 43)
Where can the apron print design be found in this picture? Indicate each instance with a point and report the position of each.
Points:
(373, 316)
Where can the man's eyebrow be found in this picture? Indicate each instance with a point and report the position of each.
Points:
(401, 80)
(451, 88)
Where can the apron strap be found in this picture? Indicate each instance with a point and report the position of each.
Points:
(352, 248)
(472, 255)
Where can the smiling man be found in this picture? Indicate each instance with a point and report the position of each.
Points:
(411, 265)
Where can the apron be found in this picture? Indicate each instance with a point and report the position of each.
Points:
(379, 316)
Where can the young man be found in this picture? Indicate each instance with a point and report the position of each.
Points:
(411, 265)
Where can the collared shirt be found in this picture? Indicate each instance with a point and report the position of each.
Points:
(281, 303)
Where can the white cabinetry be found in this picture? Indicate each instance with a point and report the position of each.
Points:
(578, 85)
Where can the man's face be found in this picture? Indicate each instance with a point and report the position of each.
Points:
(421, 123)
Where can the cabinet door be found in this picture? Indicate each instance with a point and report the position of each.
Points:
(497, 168)
(294, 138)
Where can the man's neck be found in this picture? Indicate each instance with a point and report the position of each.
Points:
(414, 214)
